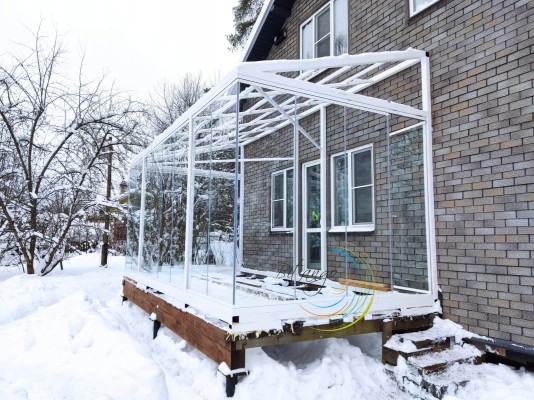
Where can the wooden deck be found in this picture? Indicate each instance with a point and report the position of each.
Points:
(221, 346)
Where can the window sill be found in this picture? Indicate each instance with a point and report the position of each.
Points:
(354, 228)
(281, 231)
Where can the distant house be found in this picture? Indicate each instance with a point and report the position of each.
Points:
(368, 159)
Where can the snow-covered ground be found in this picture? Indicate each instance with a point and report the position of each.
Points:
(67, 336)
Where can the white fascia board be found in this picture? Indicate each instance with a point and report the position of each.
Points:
(276, 66)
(331, 95)
(262, 16)
(214, 92)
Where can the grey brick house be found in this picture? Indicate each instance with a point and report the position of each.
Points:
(482, 89)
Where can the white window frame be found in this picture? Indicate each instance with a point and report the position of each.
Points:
(281, 228)
(350, 227)
(312, 19)
(422, 7)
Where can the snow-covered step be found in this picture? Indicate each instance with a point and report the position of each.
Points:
(438, 361)
(398, 346)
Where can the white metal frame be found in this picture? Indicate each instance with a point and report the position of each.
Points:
(351, 227)
(267, 116)
(284, 228)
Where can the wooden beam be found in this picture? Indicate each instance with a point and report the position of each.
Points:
(206, 337)
(365, 285)
(297, 333)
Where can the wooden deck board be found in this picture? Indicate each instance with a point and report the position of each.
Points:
(365, 285)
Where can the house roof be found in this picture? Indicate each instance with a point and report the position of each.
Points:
(270, 21)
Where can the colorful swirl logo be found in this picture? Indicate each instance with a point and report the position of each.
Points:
(350, 302)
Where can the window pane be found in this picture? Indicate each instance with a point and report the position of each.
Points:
(340, 190)
(362, 204)
(323, 47)
(323, 24)
(278, 214)
(313, 244)
(306, 41)
(361, 168)
(289, 200)
(341, 27)
(313, 196)
(278, 190)
(419, 3)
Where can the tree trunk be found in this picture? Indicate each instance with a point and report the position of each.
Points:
(29, 268)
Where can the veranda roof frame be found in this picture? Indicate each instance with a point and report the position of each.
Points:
(264, 75)
(314, 87)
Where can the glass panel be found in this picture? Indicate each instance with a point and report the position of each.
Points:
(211, 271)
(341, 27)
(289, 200)
(306, 41)
(409, 250)
(313, 196)
(278, 183)
(323, 47)
(340, 190)
(363, 204)
(323, 24)
(313, 242)
(278, 214)
(361, 168)
(134, 216)
(153, 200)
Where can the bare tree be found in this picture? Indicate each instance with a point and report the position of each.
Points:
(170, 100)
(54, 132)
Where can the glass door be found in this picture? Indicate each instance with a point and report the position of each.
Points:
(312, 216)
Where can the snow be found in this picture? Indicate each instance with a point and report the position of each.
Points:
(68, 336)
(441, 329)
(466, 351)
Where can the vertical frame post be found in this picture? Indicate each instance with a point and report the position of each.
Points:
(189, 205)
(426, 96)
(323, 150)
(241, 202)
(142, 213)
(296, 199)
(236, 190)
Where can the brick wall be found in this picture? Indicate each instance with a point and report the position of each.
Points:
(481, 55)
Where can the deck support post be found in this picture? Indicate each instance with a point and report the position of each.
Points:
(237, 362)
(387, 332)
(155, 328)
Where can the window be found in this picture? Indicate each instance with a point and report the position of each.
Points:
(353, 190)
(326, 32)
(416, 6)
(282, 200)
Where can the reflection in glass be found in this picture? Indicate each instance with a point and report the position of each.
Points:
(313, 240)
(134, 216)
(340, 190)
(289, 190)
(313, 196)
(409, 249)
(341, 27)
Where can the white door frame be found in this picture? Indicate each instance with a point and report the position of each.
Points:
(322, 220)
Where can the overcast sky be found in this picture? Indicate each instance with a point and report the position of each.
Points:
(137, 43)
